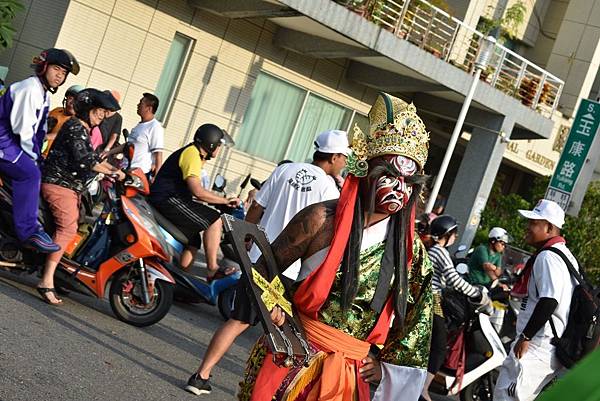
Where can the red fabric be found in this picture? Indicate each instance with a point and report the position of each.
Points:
(314, 290)
(268, 380)
(456, 357)
(520, 287)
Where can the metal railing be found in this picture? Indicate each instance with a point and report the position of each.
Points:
(448, 38)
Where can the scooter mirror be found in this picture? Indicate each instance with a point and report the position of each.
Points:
(220, 183)
(255, 183)
(128, 151)
(245, 182)
(462, 268)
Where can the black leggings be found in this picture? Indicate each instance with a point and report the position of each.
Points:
(439, 340)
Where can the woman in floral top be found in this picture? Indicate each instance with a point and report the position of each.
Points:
(69, 166)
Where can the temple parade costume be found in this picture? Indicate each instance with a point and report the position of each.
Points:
(369, 292)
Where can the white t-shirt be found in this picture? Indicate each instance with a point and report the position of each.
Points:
(289, 189)
(147, 138)
(552, 278)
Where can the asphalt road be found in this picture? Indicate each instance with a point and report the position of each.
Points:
(79, 351)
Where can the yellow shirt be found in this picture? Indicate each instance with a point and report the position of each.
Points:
(190, 162)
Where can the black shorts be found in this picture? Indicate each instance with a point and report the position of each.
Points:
(439, 339)
(190, 217)
(243, 308)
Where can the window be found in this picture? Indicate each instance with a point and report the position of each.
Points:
(283, 120)
(318, 115)
(171, 74)
(270, 119)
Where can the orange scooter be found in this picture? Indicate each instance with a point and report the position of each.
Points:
(122, 246)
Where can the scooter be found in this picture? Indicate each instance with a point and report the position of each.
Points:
(191, 288)
(484, 353)
(122, 247)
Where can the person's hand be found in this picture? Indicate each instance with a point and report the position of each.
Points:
(505, 287)
(103, 154)
(233, 202)
(521, 347)
(371, 370)
(120, 175)
(277, 316)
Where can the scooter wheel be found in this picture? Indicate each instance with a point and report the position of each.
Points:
(225, 302)
(126, 302)
(481, 389)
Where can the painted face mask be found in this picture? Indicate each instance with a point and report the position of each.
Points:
(392, 193)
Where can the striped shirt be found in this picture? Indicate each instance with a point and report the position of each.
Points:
(445, 274)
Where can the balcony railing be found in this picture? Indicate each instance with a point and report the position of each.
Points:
(448, 38)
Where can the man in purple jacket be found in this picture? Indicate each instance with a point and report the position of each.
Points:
(23, 113)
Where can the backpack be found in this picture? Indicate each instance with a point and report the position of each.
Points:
(582, 332)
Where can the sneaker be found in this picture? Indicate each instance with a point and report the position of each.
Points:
(197, 385)
(41, 242)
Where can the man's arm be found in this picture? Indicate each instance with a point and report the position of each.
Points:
(157, 158)
(541, 315)
(492, 270)
(195, 186)
(254, 213)
(310, 230)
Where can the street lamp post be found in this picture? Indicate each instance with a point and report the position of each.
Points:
(483, 58)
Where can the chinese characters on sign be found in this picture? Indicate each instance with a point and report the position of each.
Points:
(575, 152)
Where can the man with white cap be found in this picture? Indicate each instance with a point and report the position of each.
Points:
(532, 362)
(485, 265)
(290, 188)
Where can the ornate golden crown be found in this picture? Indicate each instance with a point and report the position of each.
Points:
(395, 129)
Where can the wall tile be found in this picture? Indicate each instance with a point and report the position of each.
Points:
(151, 62)
(135, 12)
(237, 50)
(105, 6)
(79, 36)
(118, 55)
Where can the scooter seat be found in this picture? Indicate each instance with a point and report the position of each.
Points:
(168, 226)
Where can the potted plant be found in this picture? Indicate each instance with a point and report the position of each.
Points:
(528, 89)
(360, 7)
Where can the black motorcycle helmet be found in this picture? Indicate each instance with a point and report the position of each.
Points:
(209, 137)
(442, 226)
(91, 98)
(55, 56)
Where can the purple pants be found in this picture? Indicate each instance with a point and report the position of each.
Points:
(25, 178)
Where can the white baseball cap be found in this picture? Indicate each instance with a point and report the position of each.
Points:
(333, 141)
(546, 210)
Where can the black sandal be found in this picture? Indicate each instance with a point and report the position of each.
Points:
(44, 294)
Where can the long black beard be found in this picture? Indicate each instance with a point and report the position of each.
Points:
(394, 259)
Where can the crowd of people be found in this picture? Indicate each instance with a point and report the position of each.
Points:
(368, 283)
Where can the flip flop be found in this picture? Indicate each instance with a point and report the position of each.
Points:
(44, 294)
(222, 272)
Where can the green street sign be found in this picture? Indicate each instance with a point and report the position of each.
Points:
(574, 154)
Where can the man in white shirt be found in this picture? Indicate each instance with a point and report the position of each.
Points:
(532, 362)
(148, 137)
(290, 188)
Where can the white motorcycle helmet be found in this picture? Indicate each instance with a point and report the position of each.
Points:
(499, 234)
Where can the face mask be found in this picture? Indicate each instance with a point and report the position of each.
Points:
(392, 193)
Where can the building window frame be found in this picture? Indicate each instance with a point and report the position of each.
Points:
(166, 104)
(351, 113)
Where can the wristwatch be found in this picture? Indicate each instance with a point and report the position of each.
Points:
(524, 337)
